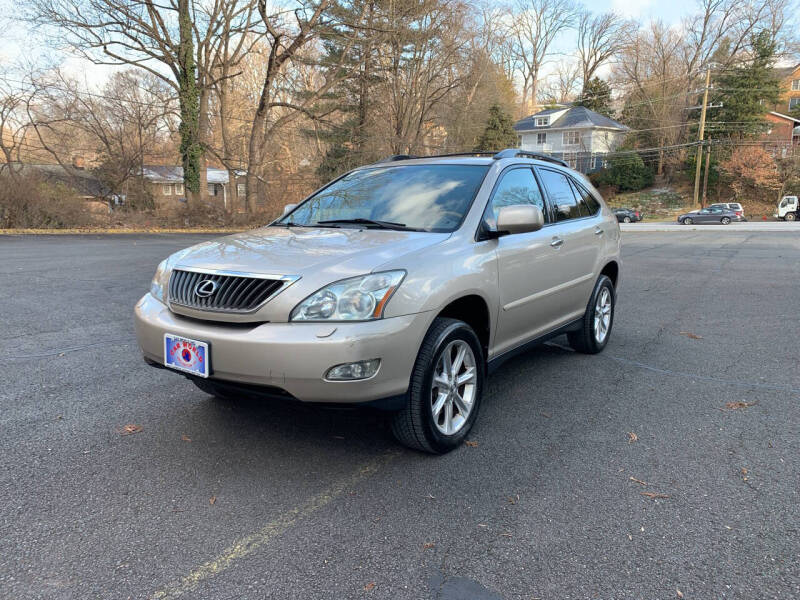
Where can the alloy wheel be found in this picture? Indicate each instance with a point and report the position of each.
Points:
(453, 387)
(602, 315)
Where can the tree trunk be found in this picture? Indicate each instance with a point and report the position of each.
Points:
(190, 148)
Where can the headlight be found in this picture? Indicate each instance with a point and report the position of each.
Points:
(355, 299)
(158, 287)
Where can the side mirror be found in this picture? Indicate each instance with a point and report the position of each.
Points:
(288, 208)
(519, 218)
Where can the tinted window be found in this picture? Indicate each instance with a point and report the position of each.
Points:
(517, 186)
(589, 204)
(431, 197)
(560, 193)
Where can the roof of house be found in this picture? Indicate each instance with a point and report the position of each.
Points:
(576, 117)
(783, 72)
(782, 116)
(82, 181)
(170, 174)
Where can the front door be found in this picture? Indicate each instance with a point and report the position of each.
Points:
(527, 264)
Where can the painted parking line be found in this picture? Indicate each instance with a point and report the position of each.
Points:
(253, 542)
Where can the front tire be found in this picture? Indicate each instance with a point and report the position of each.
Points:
(688, 221)
(445, 390)
(626, 220)
(790, 217)
(597, 321)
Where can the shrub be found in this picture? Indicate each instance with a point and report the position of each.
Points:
(26, 201)
(626, 173)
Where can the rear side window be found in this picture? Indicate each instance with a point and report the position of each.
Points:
(589, 204)
(517, 186)
(559, 190)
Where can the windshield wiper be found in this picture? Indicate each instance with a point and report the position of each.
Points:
(372, 222)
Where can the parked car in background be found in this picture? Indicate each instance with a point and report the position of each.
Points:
(734, 206)
(709, 215)
(788, 209)
(399, 285)
(628, 215)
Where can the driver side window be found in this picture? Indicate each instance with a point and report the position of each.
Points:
(517, 186)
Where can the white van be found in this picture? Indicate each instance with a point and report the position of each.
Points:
(788, 209)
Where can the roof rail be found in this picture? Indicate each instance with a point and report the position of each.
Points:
(515, 152)
(396, 157)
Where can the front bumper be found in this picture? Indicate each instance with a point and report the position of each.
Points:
(294, 356)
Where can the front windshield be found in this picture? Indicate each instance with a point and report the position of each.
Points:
(427, 197)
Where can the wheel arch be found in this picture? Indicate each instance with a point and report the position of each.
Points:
(611, 270)
(474, 311)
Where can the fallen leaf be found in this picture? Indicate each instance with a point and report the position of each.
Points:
(482, 525)
(129, 429)
(680, 594)
(691, 336)
(513, 499)
(370, 586)
(428, 545)
(639, 481)
(212, 500)
(186, 438)
(471, 444)
(546, 415)
(632, 437)
(630, 537)
(653, 495)
(508, 535)
(744, 471)
(739, 404)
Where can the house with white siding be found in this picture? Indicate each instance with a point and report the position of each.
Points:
(575, 134)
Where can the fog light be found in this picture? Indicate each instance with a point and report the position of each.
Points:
(363, 369)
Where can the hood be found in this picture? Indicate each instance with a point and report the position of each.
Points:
(308, 252)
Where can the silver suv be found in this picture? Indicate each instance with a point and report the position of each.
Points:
(398, 285)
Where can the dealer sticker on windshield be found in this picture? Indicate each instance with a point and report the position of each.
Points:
(186, 355)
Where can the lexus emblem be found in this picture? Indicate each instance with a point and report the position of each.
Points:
(205, 288)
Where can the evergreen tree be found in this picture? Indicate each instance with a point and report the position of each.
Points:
(499, 133)
(596, 96)
(747, 91)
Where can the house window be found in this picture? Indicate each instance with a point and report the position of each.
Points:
(572, 138)
(241, 189)
(212, 189)
(167, 189)
(796, 85)
(542, 121)
(541, 138)
(793, 102)
(179, 189)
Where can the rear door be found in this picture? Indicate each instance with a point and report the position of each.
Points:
(577, 237)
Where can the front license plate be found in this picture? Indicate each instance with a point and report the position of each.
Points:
(186, 355)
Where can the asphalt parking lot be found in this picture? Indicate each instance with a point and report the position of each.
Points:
(665, 467)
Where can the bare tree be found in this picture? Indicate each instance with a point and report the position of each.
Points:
(562, 86)
(536, 23)
(178, 41)
(600, 37)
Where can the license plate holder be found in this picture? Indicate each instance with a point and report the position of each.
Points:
(187, 355)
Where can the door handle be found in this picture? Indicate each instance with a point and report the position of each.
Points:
(598, 231)
(557, 242)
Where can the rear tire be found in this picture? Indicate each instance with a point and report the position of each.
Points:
(725, 220)
(419, 425)
(597, 321)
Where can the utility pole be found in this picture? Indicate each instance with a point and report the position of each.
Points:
(699, 158)
(705, 175)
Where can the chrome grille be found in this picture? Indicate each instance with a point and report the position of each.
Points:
(231, 293)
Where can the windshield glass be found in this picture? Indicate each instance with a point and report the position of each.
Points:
(427, 197)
